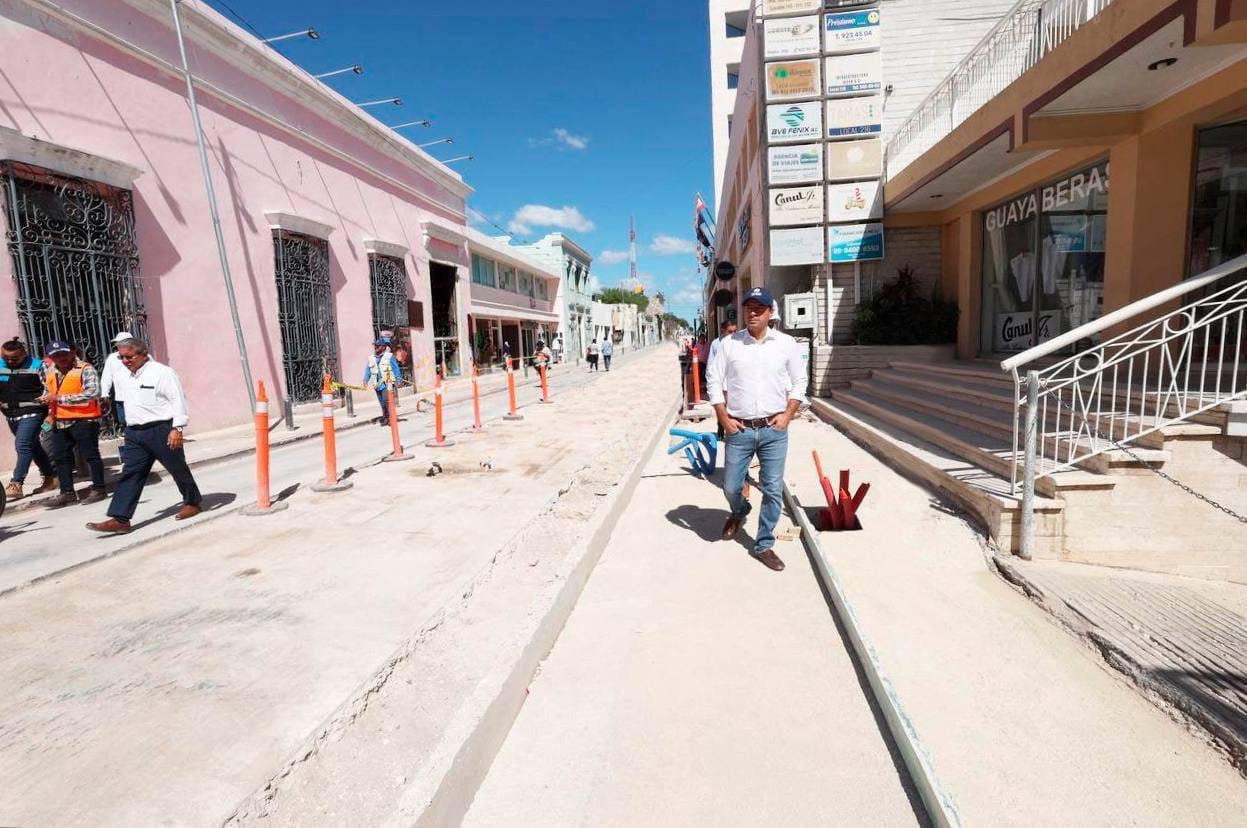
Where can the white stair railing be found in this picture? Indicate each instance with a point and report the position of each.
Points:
(1164, 371)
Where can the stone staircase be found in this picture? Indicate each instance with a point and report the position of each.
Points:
(949, 425)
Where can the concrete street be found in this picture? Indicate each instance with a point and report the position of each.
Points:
(38, 542)
(166, 685)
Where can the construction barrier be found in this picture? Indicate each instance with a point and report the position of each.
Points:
(511, 413)
(841, 512)
(694, 444)
(696, 380)
(264, 504)
(439, 437)
(391, 399)
(331, 483)
(476, 401)
(545, 386)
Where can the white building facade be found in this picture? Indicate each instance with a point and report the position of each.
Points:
(573, 303)
(728, 19)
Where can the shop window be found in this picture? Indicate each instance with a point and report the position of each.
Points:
(1219, 205)
(526, 283)
(483, 271)
(1043, 262)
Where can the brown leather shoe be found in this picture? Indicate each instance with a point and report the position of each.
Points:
(189, 510)
(62, 499)
(94, 496)
(770, 560)
(49, 484)
(112, 526)
(731, 527)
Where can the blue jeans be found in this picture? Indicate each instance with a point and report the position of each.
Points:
(144, 447)
(26, 442)
(771, 447)
(383, 397)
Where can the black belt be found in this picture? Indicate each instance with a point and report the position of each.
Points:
(145, 426)
(761, 422)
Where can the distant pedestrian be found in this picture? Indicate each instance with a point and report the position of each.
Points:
(608, 350)
(108, 376)
(21, 386)
(558, 348)
(506, 354)
(381, 374)
(156, 415)
(756, 383)
(72, 395)
(726, 329)
(591, 355)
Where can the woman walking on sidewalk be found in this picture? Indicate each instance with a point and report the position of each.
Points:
(592, 355)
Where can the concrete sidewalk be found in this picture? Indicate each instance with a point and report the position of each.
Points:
(169, 685)
(693, 686)
(1019, 723)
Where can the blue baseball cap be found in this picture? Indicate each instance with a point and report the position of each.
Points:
(759, 294)
(58, 346)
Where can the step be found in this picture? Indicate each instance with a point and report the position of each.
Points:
(985, 496)
(991, 396)
(969, 371)
(994, 456)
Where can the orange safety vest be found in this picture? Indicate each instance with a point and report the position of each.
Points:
(68, 387)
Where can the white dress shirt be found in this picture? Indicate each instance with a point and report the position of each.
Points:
(152, 394)
(108, 376)
(758, 378)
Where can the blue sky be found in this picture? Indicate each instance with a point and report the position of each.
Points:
(579, 112)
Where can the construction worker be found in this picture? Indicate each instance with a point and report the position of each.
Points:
(21, 386)
(74, 410)
(381, 374)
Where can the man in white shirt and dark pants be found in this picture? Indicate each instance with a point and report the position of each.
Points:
(155, 416)
(756, 382)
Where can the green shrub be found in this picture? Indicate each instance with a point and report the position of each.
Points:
(898, 315)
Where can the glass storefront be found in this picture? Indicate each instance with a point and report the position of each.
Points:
(1219, 204)
(1043, 262)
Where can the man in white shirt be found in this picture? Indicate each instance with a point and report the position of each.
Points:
(726, 329)
(155, 416)
(108, 379)
(756, 382)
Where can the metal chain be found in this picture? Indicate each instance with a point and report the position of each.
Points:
(1154, 470)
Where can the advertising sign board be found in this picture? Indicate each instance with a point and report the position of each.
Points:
(854, 117)
(797, 164)
(787, 37)
(855, 242)
(858, 201)
(786, 123)
(853, 74)
(796, 205)
(797, 247)
(853, 160)
(770, 7)
(793, 79)
(852, 31)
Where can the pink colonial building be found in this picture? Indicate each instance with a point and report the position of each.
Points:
(335, 226)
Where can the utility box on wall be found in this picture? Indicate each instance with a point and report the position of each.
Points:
(800, 311)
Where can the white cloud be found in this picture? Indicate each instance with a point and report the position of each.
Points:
(569, 141)
(610, 257)
(538, 215)
(670, 245)
(563, 139)
(475, 216)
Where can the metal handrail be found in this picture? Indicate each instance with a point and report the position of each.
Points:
(1166, 370)
(1019, 40)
